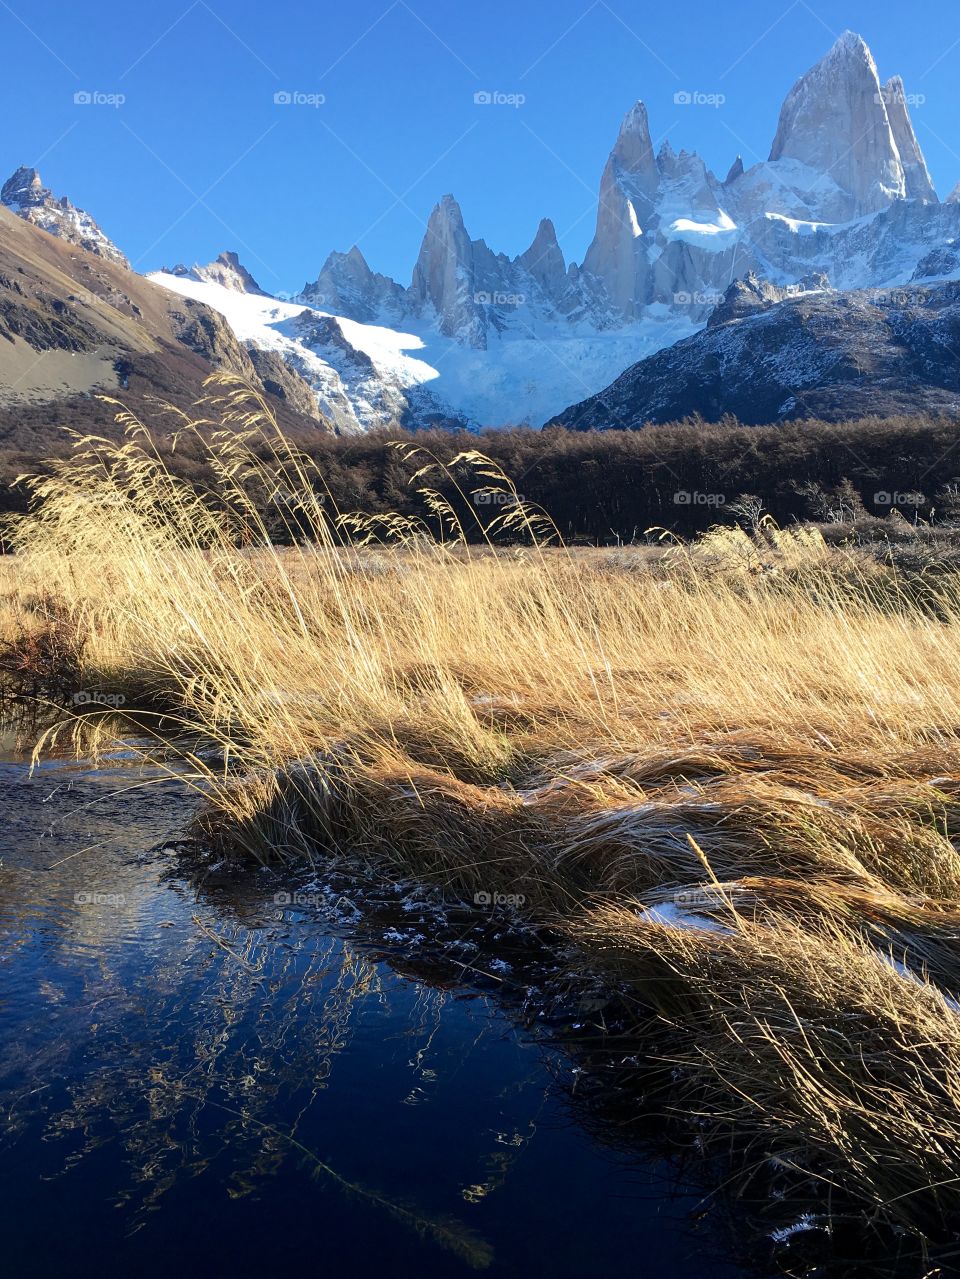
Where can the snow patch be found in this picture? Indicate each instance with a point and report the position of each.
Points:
(672, 916)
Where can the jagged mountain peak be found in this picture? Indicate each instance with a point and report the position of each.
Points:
(670, 236)
(445, 232)
(544, 260)
(445, 274)
(347, 286)
(632, 154)
(835, 122)
(22, 187)
(849, 45)
(736, 171)
(447, 209)
(917, 180)
(226, 270)
(353, 261)
(546, 232)
(25, 195)
(636, 120)
(544, 243)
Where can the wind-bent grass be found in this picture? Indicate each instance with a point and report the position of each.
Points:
(761, 733)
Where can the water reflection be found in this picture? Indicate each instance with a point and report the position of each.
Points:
(204, 1070)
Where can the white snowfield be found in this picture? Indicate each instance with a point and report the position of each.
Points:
(265, 322)
(354, 393)
(516, 382)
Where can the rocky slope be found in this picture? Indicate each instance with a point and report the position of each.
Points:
(74, 324)
(772, 354)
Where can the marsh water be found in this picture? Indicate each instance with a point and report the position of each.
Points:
(221, 1075)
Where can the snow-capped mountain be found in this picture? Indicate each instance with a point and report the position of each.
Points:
(845, 192)
(25, 195)
(227, 271)
(481, 338)
(361, 374)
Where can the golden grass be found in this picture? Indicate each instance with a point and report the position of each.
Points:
(759, 730)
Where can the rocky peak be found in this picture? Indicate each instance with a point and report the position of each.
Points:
(341, 273)
(23, 189)
(347, 286)
(227, 270)
(628, 189)
(675, 165)
(632, 156)
(445, 235)
(915, 172)
(544, 259)
(25, 195)
(835, 121)
(736, 171)
(444, 275)
(755, 293)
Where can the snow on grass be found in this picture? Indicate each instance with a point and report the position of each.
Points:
(670, 914)
(889, 960)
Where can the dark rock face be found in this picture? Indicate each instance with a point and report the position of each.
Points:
(819, 354)
(942, 261)
(753, 293)
(284, 382)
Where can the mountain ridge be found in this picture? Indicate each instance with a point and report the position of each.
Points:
(845, 194)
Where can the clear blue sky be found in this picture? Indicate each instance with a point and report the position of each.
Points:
(199, 157)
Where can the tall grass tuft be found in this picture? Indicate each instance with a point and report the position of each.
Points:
(727, 772)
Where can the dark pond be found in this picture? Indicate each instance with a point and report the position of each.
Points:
(197, 1079)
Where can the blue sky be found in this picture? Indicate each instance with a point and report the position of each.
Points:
(199, 157)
